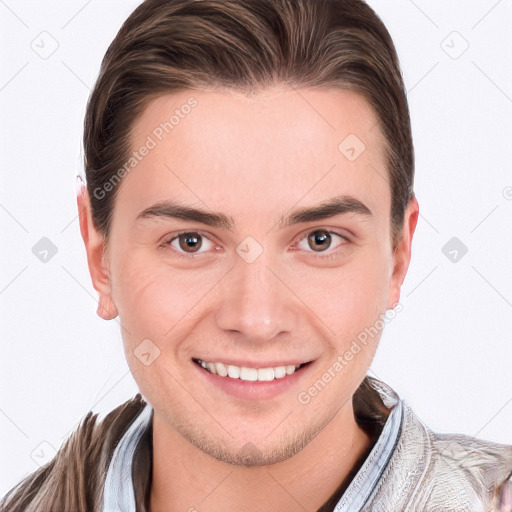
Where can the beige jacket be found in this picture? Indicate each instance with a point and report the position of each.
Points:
(440, 472)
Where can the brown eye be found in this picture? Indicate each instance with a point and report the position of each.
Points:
(319, 240)
(323, 242)
(190, 242)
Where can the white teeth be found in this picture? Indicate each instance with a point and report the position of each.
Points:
(265, 374)
(233, 371)
(221, 369)
(249, 374)
(279, 372)
(290, 369)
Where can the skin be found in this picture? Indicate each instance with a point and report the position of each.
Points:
(255, 159)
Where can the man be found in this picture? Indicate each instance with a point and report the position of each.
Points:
(248, 216)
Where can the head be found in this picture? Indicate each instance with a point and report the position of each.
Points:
(249, 199)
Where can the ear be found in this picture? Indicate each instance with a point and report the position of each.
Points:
(402, 252)
(97, 260)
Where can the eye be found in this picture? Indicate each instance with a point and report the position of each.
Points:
(320, 240)
(189, 243)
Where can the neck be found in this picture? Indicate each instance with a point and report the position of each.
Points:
(187, 479)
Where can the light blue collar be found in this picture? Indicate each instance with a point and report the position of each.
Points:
(118, 494)
(366, 479)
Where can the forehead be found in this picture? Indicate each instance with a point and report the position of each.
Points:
(275, 148)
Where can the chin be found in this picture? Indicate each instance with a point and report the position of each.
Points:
(269, 449)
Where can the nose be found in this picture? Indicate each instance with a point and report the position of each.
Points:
(255, 302)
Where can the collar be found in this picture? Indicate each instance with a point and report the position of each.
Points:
(119, 494)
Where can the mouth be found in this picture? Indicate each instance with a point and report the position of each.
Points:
(249, 373)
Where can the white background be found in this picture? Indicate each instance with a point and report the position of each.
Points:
(448, 353)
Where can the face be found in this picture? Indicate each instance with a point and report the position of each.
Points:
(255, 233)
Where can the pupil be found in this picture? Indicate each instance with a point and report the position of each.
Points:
(319, 237)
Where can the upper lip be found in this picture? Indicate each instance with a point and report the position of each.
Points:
(253, 364)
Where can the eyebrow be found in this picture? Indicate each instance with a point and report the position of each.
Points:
(335, 206)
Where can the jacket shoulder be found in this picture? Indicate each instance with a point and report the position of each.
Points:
(433, 472)
(74, 478)
(469, 470)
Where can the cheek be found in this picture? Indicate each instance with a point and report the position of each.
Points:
(150, 303)
(147, 301)
(351, 297)
(154, 299)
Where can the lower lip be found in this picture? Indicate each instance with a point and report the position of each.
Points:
(253, 390)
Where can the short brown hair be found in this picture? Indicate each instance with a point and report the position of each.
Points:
(244, 45)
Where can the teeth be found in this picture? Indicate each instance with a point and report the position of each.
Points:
(289, 369)
(279, 372)
(221, 369)
(249, 374)
(265, 374)
(233, 371)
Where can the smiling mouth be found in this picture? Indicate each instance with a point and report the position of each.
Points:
(249, 374)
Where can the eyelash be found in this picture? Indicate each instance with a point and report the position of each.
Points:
(320, 254)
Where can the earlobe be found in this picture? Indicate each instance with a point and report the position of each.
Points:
(402, 252)
(106, 308)
(97, 260)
